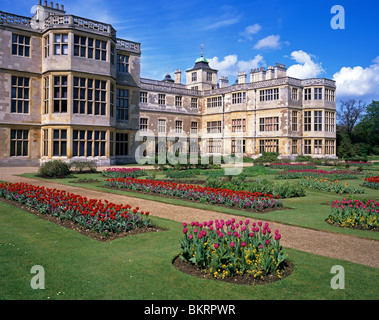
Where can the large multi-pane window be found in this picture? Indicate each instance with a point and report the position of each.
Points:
(60, 94)
(269, 145)
(161, 99)
(89, 96)
(214, 102)
(269, 94)
(178, 126)
(20, 95)
(60, 142)
(330, 95)
(307, 120)
(80, 46)
(91, 48)
(294, 121)
(46, 95)
(194, 103)
(194, 76)
(318, 121)
(318, 93)
(122, 63)
(329, 147)
(19, 143)
(162, 126)
(238, 146)
(307, 94)
(122, 104)
(178, 101)
(238, 97)
(318, 146)
(307, 146)
(88, 143)
(86, 46)
(61, 44)
(209, 76)
(214, 127)
(20, 45)
(122, 144)
(46, 46)
(294, 94)
(45, 137)
(143, 97)
(143, 124)
(214, 145)
(238, 125)
(294, 146)
(269, 124)
(194, 127)
(100, 50)
(329, 121)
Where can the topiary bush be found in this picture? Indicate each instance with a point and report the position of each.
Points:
(54, 169)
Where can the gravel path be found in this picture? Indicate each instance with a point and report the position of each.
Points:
(339, 246)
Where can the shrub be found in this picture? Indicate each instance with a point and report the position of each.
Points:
(289, 190)
(81, 166)
(54, 169)
(191, 173)
(267, 157)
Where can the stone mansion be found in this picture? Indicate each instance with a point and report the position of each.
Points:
(70, 89)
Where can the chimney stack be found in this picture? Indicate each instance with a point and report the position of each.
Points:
(270, 74)
(280, 70)
(241, 77)
(178, 76)
(224, 82)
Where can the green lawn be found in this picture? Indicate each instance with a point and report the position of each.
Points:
(139, 267)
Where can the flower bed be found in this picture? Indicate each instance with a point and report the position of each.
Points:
(231, 248)
(292, 166)
(89, 214)
(255, 201)
(372, 182)
(355, 214)
(123, 172)
(332, 175)
(325, 184)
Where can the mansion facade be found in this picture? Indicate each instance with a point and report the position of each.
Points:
(71, 90)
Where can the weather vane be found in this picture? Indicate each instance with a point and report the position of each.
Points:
(201, 48)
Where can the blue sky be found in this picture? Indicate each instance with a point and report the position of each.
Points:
(239, 35)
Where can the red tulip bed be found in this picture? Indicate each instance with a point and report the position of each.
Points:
(253, 201)
(372, 182)
(89, 214)
(233, 249)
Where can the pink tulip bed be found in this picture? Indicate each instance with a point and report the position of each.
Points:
(226, 249)
(355, 214)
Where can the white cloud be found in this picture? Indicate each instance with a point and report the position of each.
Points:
(222, 23)
(358, 81)
(230, 65)
(250, 30)
(305, 67)
(270, 42)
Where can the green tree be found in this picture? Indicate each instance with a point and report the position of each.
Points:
(366, 132)
(345, 148)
